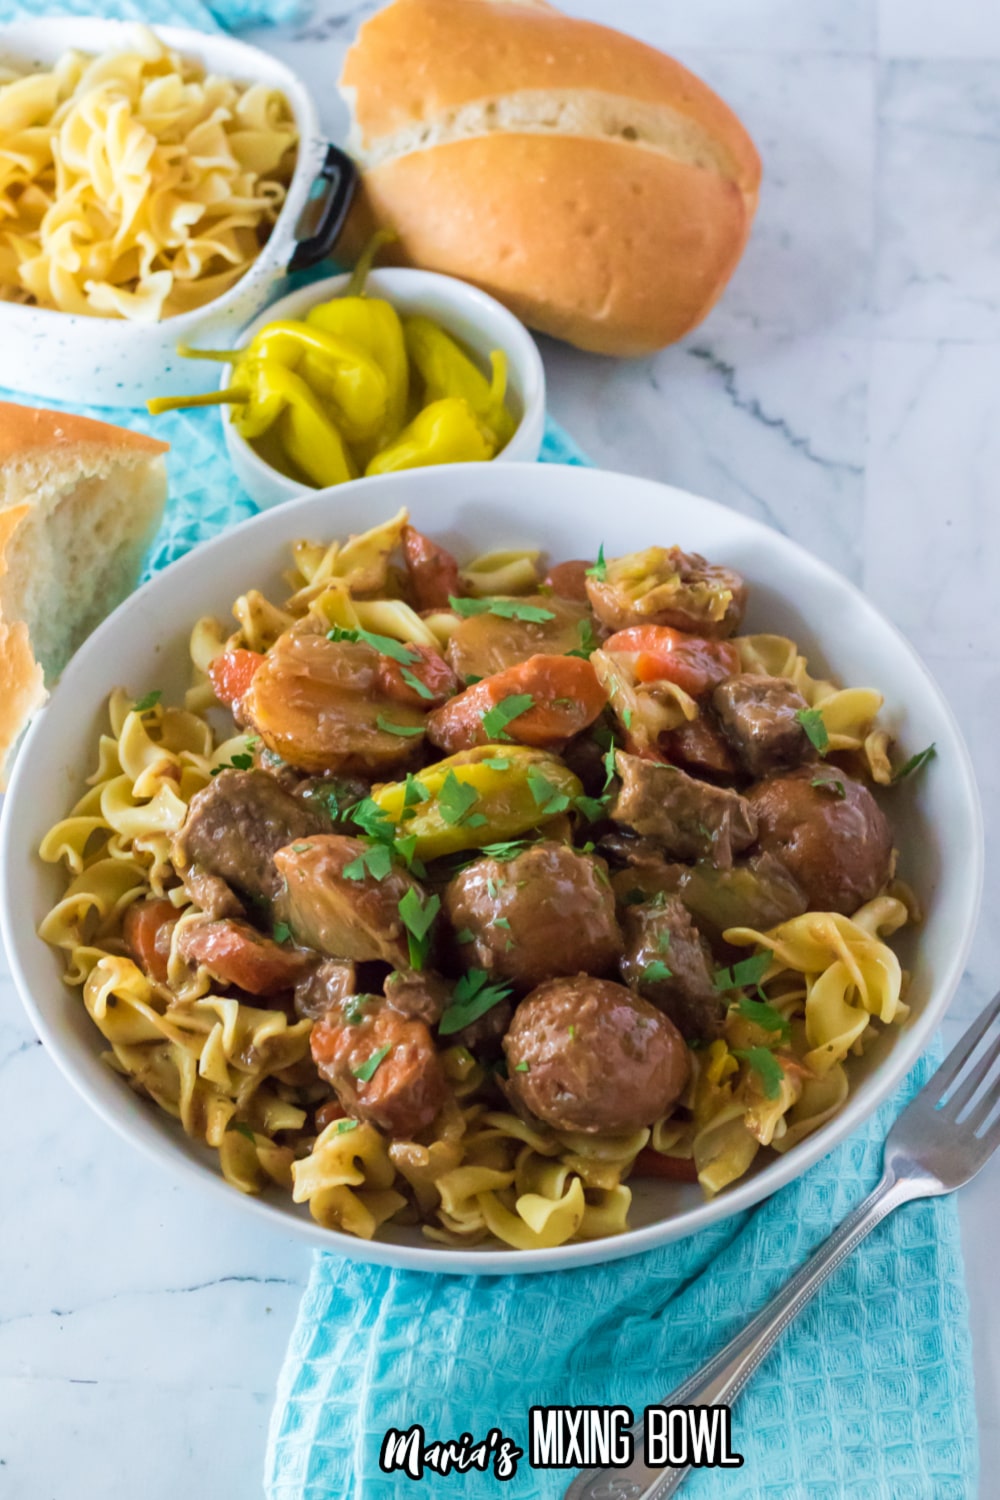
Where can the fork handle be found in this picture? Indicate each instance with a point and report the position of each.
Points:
(723, 1377)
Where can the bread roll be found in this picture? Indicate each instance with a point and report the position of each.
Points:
(585, 179)
(80, 502)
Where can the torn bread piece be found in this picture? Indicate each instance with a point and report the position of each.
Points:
(80, 502)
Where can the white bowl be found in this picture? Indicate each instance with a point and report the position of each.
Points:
(112, 361)
(569, 511)
(478, 320)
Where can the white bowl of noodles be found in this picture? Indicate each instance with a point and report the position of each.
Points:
(74, 348)
(473, 509)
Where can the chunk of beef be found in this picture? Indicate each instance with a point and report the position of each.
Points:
(689, 818)
(759, 716)
(325, 988)
(225, 851)
(421, 997)
(668, 961)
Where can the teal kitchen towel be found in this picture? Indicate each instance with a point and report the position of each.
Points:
(868, 1397)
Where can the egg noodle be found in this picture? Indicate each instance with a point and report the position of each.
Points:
(133, 185)
(240, 1077)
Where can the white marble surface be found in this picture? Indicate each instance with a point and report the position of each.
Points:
(846, 391)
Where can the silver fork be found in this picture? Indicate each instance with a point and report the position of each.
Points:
(943, 1137)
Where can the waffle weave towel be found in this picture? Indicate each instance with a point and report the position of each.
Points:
(868, 1397)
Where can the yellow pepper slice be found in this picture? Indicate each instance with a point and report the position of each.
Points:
(498, 774)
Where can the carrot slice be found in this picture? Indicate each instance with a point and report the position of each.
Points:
(397, 681)
(689, 661)
(147, 929)
(542, 702)
(232, 673)
(234, 953)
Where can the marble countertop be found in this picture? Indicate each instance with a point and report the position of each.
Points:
(845, 392)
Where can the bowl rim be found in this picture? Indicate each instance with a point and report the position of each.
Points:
(908, 1045)
(308, 159)
(529, 359)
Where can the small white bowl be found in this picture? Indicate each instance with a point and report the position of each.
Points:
(476, 319)
(113, 361)
(474, 508)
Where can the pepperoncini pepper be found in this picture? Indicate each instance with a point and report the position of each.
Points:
(446, 432)
(371, 324)
(505, 798)
(267, 394)
(339, 372)
(448, 371)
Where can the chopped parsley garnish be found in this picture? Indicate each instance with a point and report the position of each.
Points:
(370, 1067)
(282, 932)
(588, 641)
(465, 936)
(600, 567)
(375, 861)
(418, 918)
(626, 717)
(663, 941)
(913, 764)
(150, 700)
(811, 720)
(239, 762)
(243, 1130)
(301, 848)
(572, 1033)
(593, 808)
(473, 996)
(383, 644)
(506, 609)
(522, 1067)
(414, 792)
(353, 1007)
(502, 922)
(656, 971)
(472, 679)
(831, 784)
(494, 887)
(498, 763)
(509, 850)
(610, 767)
(455, 801)
(496, 719)
(406, 731)
(420, 688)
(343, 1126)
(375, 821)
(747, 974)
(547, 795)
(763, 1014)
(766, 1066)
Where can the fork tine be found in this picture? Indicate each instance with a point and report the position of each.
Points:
(971, 1081)
(963, 1049)
(991, 1140)
(984, 1108)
